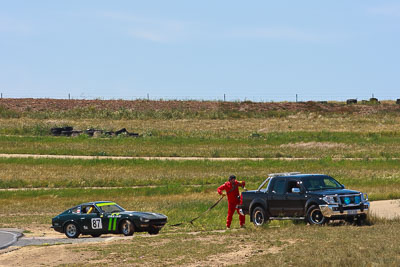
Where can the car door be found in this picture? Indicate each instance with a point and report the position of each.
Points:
(294, 203)
(276, 199)
(91, 220)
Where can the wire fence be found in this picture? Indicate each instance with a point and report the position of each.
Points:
(279, 97)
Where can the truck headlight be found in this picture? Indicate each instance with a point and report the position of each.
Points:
(144, 219)
(329, 199)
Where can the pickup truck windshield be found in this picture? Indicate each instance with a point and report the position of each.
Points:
(320, 183)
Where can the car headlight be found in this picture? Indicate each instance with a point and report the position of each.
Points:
(329, 199)
(144, 219)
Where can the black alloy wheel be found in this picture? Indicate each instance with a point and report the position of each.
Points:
(315, 216)
(259, 216)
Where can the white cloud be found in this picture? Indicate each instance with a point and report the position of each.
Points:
(385, 10)
(149, 35)
(14, 26)
(150, 29)
(283, 33)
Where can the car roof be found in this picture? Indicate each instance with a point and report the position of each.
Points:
(96, 202)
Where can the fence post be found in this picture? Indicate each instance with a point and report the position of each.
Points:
(224, 97)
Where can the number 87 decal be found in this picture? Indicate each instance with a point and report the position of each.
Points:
(96, 223)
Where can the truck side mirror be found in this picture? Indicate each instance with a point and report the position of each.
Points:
(295, 190)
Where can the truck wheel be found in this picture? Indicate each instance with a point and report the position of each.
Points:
(127, 228)
(259, 216)
(71, 230)
(361, 219)
(315, 217)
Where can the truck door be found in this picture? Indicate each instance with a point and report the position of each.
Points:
(294, 204)
(276, 199)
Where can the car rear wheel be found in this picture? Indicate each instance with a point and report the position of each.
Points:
(315, 216)
(72, 231)
(127, 228)
(259, 216)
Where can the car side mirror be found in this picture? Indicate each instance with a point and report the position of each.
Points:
(343, 186)
(295, 190)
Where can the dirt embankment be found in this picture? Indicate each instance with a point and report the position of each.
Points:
(35, 105)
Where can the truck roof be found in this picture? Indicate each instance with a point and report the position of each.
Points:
(297, 175)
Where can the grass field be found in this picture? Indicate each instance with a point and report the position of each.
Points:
(292, 245)
(271, 145)
(206, 242)
(302, 135)
(331, 133)
(378, 178)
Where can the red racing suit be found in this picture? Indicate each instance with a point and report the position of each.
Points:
(232, 192)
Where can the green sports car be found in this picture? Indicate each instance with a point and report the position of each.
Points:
(106, 217)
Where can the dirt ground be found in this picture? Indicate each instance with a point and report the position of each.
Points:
(42, 104)
(387, 209)
(62, 254)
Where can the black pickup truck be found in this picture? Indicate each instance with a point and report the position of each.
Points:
(316, 198)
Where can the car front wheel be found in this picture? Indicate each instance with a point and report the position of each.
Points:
(72, 231)
(259, 216)
(315, 216)
(127, 228)
(154, 231)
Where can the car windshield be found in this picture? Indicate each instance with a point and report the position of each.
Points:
(109, 207)
(320, 183)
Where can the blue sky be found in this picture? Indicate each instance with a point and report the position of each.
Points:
(256, 50)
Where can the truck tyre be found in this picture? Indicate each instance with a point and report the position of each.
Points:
(71, 230)
(127, 228)
(315, 217)
(361, 219)
(259, 216)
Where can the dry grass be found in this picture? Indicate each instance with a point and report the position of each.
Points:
(297, 245)
(222, 128)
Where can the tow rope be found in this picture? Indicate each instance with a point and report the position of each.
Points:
(201, 214)
(210, 208)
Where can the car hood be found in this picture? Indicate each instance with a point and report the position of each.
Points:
(333, 192)
(147, 215)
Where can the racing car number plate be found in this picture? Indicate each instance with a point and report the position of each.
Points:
(352, 212)
(96, 223)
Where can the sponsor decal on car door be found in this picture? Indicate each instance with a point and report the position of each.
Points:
(112, 221)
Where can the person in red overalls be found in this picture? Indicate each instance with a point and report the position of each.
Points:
(232, 191)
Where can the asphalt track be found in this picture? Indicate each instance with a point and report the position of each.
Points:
(9, 237)
(15, 238)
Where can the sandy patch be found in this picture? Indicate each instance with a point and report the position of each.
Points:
(241, 254)
(388, 209)
(321, 145)
(44, 256)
